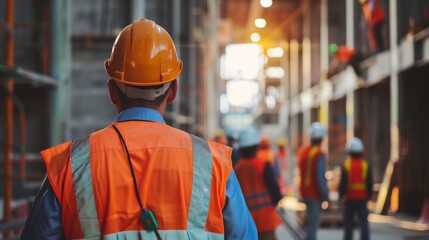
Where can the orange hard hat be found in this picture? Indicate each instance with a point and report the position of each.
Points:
(143, 55)
(265, 142)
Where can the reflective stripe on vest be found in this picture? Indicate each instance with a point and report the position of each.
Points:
(198, 209)
(83, 189)
(309, 165)
(258, 200)
(356, 186)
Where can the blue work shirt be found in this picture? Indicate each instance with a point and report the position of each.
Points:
(44, 220)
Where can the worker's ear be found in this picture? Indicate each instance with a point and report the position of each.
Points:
(113, 93)
(172, 93)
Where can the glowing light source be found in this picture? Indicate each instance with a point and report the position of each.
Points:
(255, 37)
(266, 3)
(274, 72)
(275, 52)
(260, 23)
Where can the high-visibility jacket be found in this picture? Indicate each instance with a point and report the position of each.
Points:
(357, 171)
(307, 163)
(265, 154)
(250, 175)
(181, 179)
(345, 54)
(373, 12)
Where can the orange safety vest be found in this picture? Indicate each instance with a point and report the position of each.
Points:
(250, 174)
(308, 158)
(181, 179)
(374, 16)
(265, 154)
(357, 170)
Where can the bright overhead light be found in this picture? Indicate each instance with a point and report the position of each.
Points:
(260, 23)
(255, 37)
(275, 72)
(266, 3)
(275, 52)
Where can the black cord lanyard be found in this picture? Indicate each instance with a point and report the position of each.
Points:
(147, 217)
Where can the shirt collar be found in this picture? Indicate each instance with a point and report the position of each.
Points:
(141, 114)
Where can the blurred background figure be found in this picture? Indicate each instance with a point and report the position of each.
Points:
(260, 188)
(342, 57)
(356, 189)
(313, 187)
(265, 152)
(220, 137)
(231, 139)
(281, 165)
(373, 17)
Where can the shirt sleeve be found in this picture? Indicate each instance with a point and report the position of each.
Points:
(321, 179)
(343, 183)
(44, 220)
(238, 222)
(271, 184)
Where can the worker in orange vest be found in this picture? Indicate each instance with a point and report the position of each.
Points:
(281, 164)
(264, 150)
(259, 186)
(139, 178)
(373, 16)
(313, 187)
(355, 188)
(344, 56)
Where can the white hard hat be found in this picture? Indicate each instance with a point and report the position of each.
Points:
(317, 131)
(248, 137)
(355, 146)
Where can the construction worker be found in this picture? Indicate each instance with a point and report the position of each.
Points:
(313, 187)
(343, 55)
(281, 164)
(231, 137)
(259, 186)
(219, 137)
(355, 188)
(139, 178)
(373, 17)
(265, 152)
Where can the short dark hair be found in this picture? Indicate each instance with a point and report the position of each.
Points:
(316, 141)
(248, 152)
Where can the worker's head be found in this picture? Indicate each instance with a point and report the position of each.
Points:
(143, 66)
(333, 48)
(355, 147)
(318, 132)
(265, 143)
(248, 142)
(281, 143)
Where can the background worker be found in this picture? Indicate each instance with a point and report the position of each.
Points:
(343, 56)
(373, 17)
(139, 178)
(313, 187)
(356, 189)
(231, 137)
(281, 164)
(264, 151)
(259, 186)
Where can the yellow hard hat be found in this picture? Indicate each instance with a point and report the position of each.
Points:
(362, 1)
(143, 55)
(281, 142)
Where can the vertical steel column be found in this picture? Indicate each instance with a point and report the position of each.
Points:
(176, 37)
(212, 86)
(350, 96)
(10, 10)
(306, 61)
(383, 195)
(193, 68)
(138, 9)
(324, 64)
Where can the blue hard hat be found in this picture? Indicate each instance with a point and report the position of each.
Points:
(248, 137)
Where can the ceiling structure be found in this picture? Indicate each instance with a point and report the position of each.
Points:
(241, 14)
